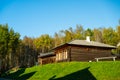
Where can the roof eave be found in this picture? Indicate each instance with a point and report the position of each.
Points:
(112, 47)
(59, 46)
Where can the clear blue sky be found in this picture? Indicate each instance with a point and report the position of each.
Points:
(35, 17)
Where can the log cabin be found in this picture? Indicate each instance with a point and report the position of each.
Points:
(82, 50)
(78, 50)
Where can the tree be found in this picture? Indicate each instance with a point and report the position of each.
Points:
(9, 41)
(68, 36)
(57, 40)
(89, 32)
(118, 32)
(28, 52)
(43, 43)
(13, 45)
(79, 32)
(4, 38)
(110, 36)
(98, 35)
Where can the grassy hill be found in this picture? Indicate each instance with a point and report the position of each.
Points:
(70, 71)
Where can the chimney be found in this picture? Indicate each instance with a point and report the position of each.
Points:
(88, 38)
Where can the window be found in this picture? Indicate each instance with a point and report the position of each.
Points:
(65, 54)
(61, 55)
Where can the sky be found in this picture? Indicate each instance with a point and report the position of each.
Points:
(33, 18)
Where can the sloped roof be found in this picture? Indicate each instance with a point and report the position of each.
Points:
(42, 55)
(88, 43)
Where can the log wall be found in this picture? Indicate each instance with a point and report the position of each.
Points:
(81, 53)
(47, 60)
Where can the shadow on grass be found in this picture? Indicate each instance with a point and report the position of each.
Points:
(16, 75)
(26, 76)
(84, 74)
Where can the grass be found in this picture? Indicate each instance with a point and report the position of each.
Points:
(70, 71)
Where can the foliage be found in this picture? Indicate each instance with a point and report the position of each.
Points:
(57, 39)
(118, 32)
(79, 32)
(28, 52)
(70, 71)
(98, 35)
(116, 51)
(110, 36)
(9, 42)
(43, 43)
(104, 35)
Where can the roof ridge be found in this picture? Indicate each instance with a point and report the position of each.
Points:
(91, 43)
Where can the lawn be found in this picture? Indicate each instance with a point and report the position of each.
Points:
(70, 71)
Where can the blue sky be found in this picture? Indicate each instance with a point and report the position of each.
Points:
(35, 17)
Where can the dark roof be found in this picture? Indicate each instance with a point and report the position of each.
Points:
(42, 55)
(88, 43)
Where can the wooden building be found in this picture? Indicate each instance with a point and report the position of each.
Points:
(82, 50)
(45, 58)
(77, 50)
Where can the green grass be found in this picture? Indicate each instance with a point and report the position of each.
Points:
(70, 71)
